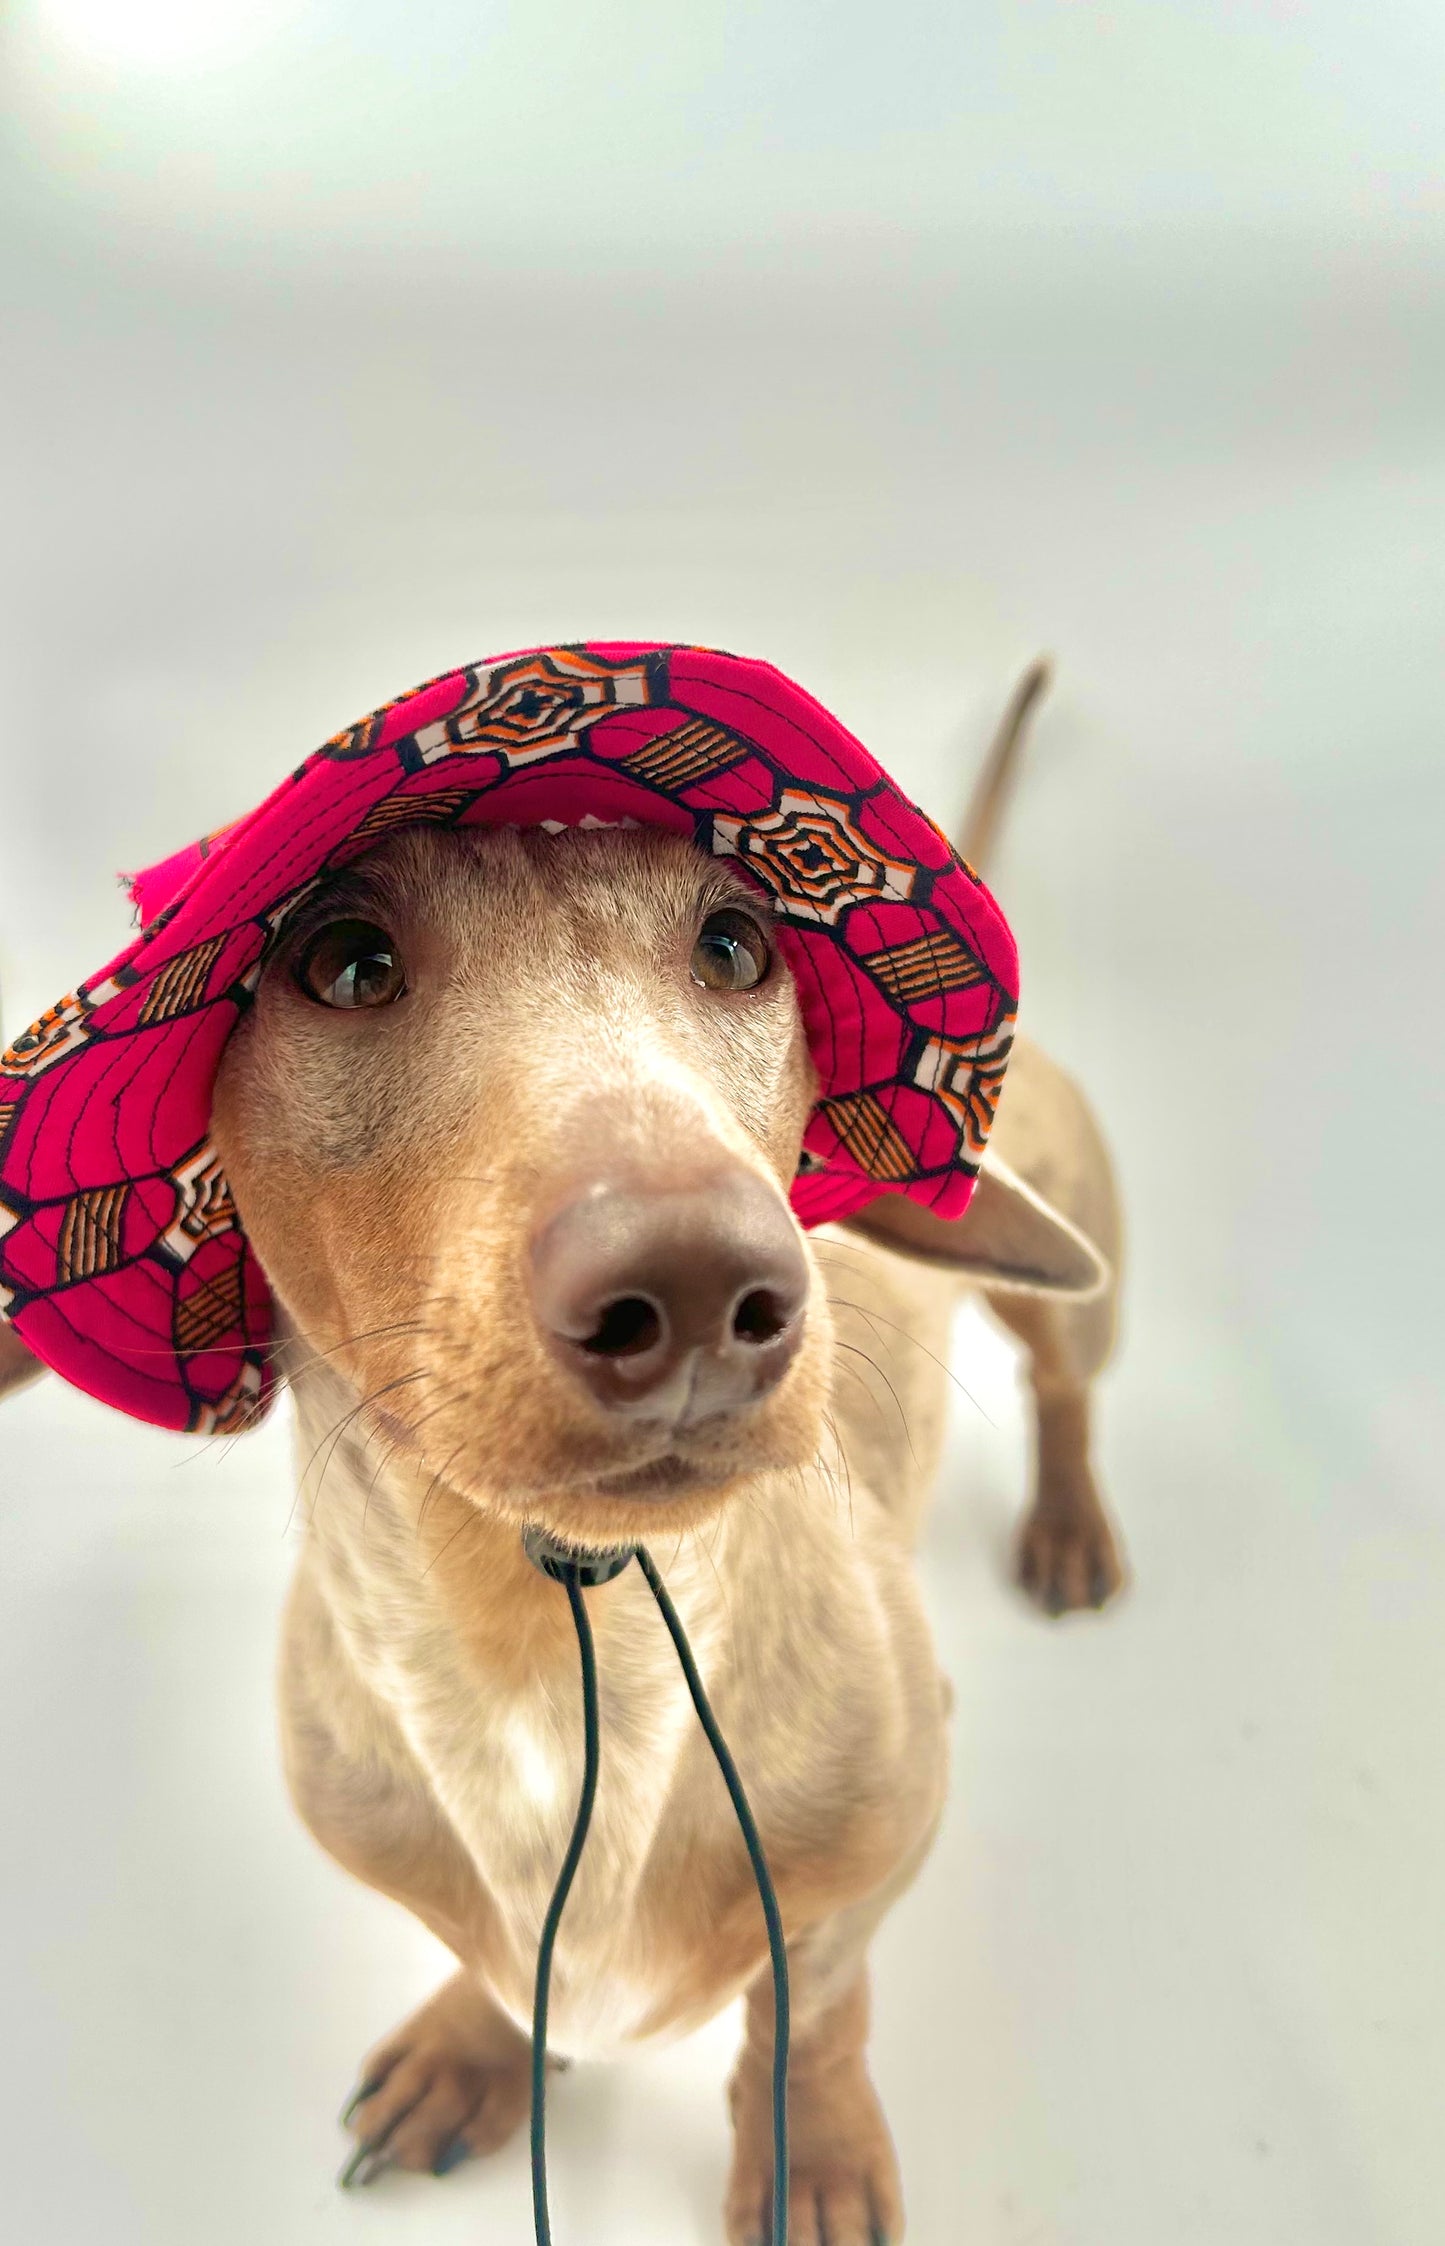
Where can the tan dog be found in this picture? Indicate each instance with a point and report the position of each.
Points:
(529, 1240)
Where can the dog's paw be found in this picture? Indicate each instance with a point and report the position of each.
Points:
(1069, 1560)
(843, 2187)
(454, 2079)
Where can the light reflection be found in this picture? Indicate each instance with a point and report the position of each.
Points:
(156, 34)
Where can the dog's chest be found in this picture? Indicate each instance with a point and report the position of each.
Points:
(506, 1767)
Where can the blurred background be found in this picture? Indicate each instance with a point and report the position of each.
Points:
(345, 343)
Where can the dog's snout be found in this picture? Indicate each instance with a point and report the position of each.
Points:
(675, 1306)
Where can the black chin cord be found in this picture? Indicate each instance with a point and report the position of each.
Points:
(541, 2221)
(766, 1895)
(573, 1570)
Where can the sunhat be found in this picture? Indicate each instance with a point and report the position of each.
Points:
(123, 1262)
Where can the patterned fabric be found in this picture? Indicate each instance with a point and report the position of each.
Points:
(122, 1259)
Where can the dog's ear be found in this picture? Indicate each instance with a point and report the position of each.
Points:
(1009, 1237)
(17, 1365)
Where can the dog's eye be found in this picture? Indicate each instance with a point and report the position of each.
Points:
(731, 952)
(352, 963)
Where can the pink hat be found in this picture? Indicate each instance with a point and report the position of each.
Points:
(122, 1260)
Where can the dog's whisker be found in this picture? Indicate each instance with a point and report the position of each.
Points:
(413, 1428)
(853, 1351)
(470, 1519)
(334, 1435)
(849, 1372)
(832, 1426)
(219, 1448)
(710, 1556)
(876, 1318)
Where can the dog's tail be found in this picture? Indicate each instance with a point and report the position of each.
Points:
(995, 782)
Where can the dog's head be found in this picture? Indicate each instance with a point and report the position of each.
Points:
(511, 1126)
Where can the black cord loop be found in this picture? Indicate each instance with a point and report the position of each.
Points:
(541, 2220)
(572, 1571)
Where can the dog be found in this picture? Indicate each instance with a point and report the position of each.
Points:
(534, 1266)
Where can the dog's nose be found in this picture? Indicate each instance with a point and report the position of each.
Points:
(674, 1306)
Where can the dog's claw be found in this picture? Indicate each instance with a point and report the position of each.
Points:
(453, 2156)
(363, 2168)
(359, 2098)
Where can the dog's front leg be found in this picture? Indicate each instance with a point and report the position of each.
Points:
(1068, 1555)
(844, 2188)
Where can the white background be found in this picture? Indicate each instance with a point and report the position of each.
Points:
(891, 345)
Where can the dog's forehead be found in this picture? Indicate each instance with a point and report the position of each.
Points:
(627, 878)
